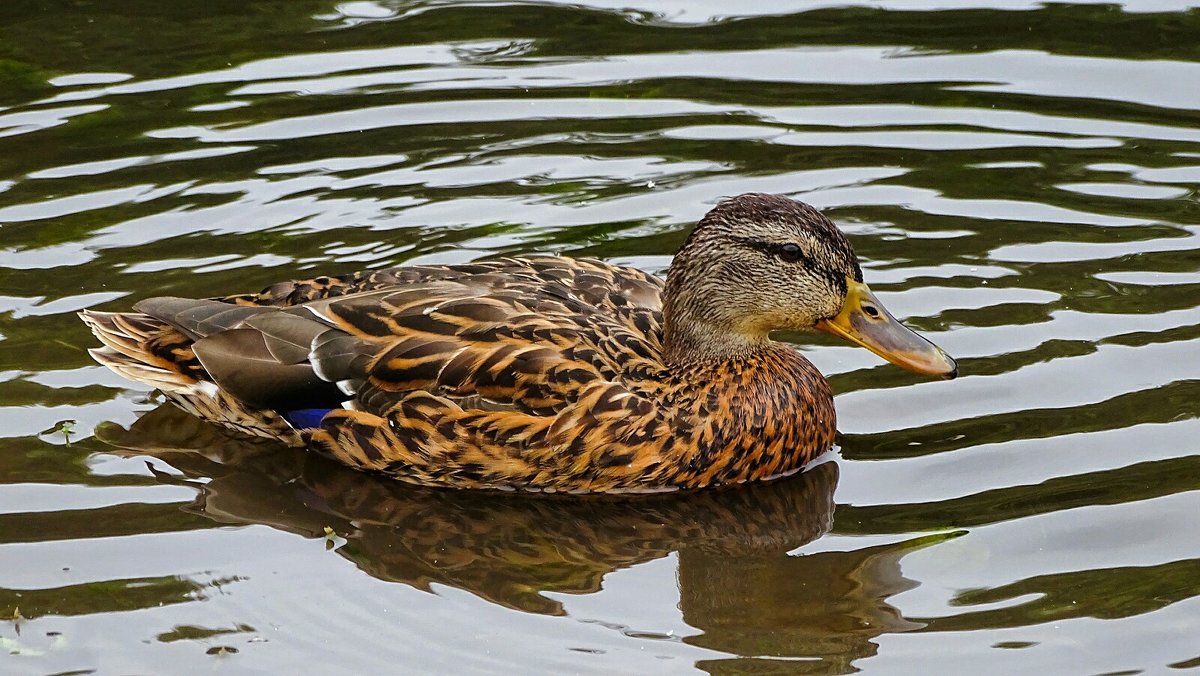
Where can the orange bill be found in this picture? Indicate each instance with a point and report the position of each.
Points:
(864, 321)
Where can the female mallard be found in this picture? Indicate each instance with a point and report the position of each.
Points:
(545, 373)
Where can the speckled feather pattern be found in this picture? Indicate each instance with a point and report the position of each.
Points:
(543, 373)
(540, 374)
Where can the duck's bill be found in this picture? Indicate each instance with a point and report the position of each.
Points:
(864, 321)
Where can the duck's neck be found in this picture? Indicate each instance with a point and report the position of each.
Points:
(689, 341)
(698, 326)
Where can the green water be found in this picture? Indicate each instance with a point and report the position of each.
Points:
(1018, 179)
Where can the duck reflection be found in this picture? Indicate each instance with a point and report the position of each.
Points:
(737, 581)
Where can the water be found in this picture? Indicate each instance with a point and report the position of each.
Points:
(1019, 180)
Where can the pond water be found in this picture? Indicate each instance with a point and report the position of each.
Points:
(1019, 180)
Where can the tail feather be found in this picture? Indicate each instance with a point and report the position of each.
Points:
(124, 335)
(150, 374)
(130, 340)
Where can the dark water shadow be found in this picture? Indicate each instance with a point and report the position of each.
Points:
(741, 582)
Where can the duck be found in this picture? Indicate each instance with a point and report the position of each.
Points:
(543, 373)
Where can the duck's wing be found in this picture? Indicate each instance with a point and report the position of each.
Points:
(523, 333)
(526, 347)
(468, 325)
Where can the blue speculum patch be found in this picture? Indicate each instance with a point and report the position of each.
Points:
(306, 417)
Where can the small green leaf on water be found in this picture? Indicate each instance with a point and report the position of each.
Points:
(65, 428)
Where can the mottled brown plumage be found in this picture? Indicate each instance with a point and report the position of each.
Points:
(541, 373)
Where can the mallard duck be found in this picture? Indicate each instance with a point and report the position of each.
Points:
(544, 373)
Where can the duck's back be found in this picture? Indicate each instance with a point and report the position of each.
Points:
(583, 282)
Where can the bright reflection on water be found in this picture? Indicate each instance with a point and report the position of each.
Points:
(1019, 180)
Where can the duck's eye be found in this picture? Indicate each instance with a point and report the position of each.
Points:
(790, 253)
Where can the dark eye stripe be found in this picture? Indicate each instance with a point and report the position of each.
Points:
(789, 252)
(776, 249)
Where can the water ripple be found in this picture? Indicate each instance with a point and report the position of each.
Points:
(1017, 178)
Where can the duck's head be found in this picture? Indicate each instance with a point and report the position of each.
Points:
(760, 263)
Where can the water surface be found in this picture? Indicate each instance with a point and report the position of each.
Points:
(1019, 180)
